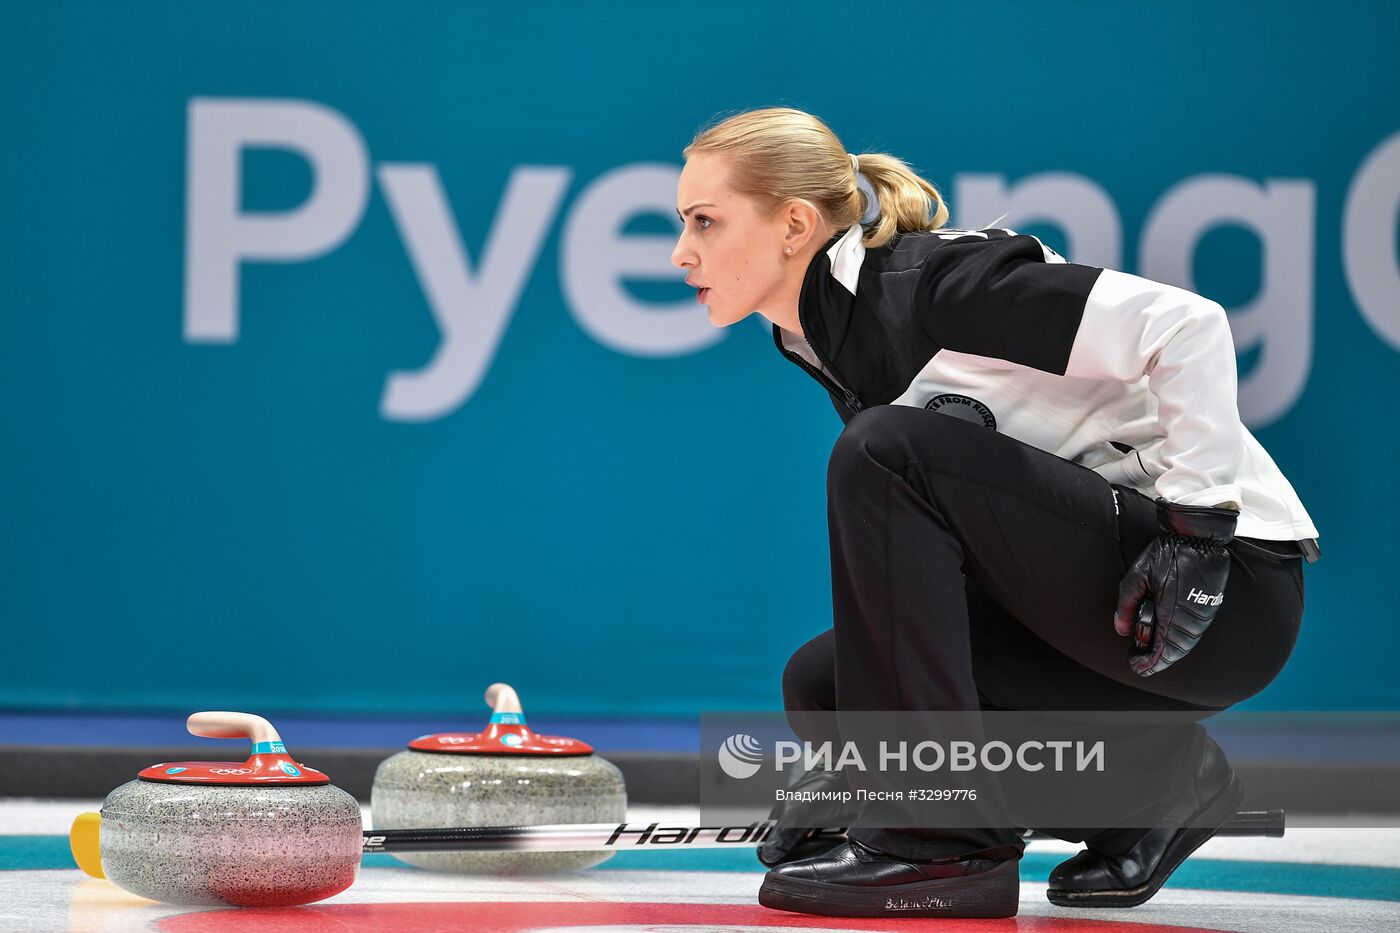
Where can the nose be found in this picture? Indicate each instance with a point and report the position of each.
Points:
(682, 257)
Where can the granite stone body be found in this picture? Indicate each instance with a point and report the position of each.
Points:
(246, 846)
(420, 790)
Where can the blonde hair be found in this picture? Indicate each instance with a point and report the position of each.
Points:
(778, 153)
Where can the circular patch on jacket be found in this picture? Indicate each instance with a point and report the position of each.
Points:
(961, 406)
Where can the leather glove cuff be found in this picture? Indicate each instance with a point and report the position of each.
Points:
(1203, 522)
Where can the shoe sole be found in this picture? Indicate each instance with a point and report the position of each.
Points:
(989, 894)
(1187, 840)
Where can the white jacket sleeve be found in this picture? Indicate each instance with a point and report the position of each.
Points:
(1181, 342)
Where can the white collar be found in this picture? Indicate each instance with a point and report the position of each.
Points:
(846, 256)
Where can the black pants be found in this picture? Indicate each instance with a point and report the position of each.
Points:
(972, 571)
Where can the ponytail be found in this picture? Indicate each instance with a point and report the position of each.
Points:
(907, 202)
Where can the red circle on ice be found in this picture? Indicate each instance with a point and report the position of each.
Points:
(518, 917)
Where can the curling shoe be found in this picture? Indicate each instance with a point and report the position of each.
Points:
(854, 880)
(1098, 879)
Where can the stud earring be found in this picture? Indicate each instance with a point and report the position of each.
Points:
(788, 250)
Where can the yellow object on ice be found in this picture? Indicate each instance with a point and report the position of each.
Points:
(85, 841)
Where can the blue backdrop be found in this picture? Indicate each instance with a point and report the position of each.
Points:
(344, 368)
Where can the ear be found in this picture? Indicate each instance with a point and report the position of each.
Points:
(802, 223)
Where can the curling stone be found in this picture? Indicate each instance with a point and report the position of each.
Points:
(507, 775)
(266, 832)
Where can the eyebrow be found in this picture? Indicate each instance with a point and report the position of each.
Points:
(693, 207)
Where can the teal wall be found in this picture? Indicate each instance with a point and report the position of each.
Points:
(244, 497)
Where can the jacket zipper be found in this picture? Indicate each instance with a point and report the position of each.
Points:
(848, 398)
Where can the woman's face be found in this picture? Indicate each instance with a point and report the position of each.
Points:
(729, 251)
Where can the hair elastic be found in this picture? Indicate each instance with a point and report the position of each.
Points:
(867, 190)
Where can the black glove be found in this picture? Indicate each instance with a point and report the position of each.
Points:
(800, 822)
(1175, 587)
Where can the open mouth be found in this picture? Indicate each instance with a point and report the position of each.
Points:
(701, 295)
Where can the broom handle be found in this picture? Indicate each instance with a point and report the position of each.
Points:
(583, 837)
